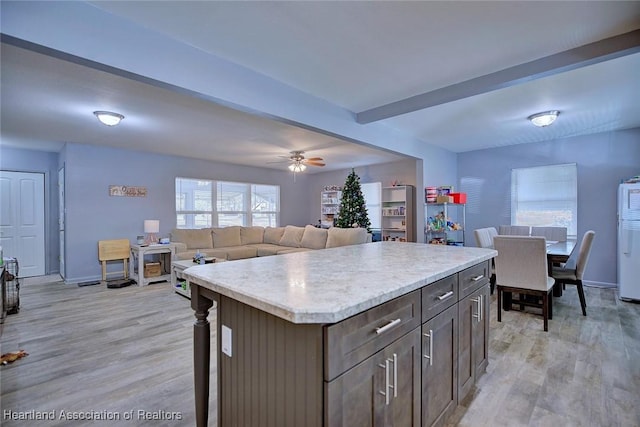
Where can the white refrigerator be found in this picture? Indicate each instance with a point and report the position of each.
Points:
(629, 241)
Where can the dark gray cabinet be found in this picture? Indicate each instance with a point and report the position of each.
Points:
(473, 338)
(440, 367)
(381, 391)
(406, 362)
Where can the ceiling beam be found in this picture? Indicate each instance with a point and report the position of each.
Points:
(589, 54)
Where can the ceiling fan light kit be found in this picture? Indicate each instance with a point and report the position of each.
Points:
(297, 167)
(108, 118)
(544, 119)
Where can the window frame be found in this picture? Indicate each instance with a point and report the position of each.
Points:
(247, 212)
(541, 175)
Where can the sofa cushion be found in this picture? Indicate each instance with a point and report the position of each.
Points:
(226, 236)
(190, 253)
(292, 236)
(193, 238)
(251, 235)
(346, 236)
(314, 238)
(283, 251)
(273, 235)
(266, 249)
(241, 252)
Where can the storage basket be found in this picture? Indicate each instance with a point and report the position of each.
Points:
(152, 269)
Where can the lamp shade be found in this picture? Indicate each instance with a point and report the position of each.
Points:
(151, 226)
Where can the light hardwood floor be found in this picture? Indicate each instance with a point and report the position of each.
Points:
(121, 350)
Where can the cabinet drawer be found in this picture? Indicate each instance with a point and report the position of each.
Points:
(351, 341)
(473, 277)
(438, 296)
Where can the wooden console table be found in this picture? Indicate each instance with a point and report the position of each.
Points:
(136, 266)
(365, 334)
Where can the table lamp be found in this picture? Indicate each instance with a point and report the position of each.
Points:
(151, 228)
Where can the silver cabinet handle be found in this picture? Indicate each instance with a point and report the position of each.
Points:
(430, 355)
(481, 307)
(475, 279)
(385, 393)
(388, 326)
(395, 374)
(445, 296)
(479, 302)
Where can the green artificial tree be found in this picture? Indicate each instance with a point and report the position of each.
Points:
(353, 210)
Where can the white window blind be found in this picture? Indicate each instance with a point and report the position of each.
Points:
(545, 196)
(236, 203)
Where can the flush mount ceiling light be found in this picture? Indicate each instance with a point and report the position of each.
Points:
(544, 119)
(108, 118)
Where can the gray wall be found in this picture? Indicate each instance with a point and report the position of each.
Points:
(93, 215)
(602, 161)
(17, 160)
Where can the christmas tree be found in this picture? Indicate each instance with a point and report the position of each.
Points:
(353, 211)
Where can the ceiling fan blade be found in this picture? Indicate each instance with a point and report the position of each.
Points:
(316, 158)
(279, 161)
(314, 163)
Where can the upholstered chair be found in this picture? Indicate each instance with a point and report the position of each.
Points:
(557, 234)
(521, 267)
(514, 230)
(484, 239)
(572, 271)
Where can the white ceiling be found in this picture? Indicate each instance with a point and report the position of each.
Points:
(356, 55)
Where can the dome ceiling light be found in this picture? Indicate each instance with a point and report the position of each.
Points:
(544, 119)
(108, 118)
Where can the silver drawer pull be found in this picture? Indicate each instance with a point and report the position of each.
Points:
(388, 326)
(475, 279)
(445, 296)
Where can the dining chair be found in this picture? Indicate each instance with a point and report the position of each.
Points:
(558, 234)
(572, 271)
(521, 267)
(484, 239)
(514, 230)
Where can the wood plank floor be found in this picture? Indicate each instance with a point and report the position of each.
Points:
(118, 350)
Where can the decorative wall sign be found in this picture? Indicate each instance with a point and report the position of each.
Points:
(126, 191)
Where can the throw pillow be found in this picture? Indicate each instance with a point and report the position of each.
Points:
(314, 238)
(346, 236)
(251, 235)
(226, 236)
(193, 238)
(292, 236)
(273, 235)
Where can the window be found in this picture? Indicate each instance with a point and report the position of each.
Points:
(545, 196)
(236, 203)
(371, 192)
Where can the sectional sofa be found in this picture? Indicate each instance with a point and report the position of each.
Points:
(236, 242)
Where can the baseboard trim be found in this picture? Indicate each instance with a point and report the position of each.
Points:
(593, 284)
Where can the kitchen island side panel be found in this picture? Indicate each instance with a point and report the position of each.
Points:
(274, 375)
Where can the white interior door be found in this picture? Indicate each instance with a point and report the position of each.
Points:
(22, 220)
(61, 218)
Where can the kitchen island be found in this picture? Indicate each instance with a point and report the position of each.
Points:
(359, 334)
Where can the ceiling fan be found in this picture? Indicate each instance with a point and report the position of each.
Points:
(298, 163)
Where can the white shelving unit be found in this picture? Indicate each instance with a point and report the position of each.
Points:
(329, 207)
(398, 213)
(444, 223)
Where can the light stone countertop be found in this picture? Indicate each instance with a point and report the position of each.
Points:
(329, 285)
